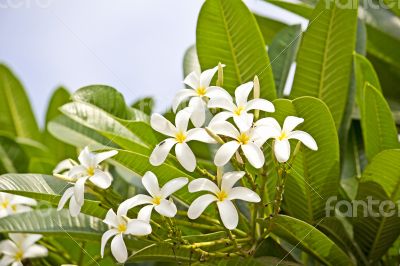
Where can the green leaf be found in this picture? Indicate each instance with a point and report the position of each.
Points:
(145, 105)
(59, 149)
(227, 32)
(16, 113)
(378, 127)
(324, 60)
(310, 239)
(13, 158)
(365, 72)
(373, 230)
(260, 261)
(190, 61)
(46, 188)
(269, 27)
(54, 223)
(314, 176)
(301, 9)
(283, 51)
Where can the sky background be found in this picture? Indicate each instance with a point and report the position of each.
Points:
(135, 46)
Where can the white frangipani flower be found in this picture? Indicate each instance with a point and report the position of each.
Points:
(20, 247)
(12, 204)
(223, 196)
(89, 168)
(249, 141)
(121, 225)
(157, 199)
(179, 136)
(200, 92)
(282, 135)
(239, 111)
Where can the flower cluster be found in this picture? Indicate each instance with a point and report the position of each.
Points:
(234, 125)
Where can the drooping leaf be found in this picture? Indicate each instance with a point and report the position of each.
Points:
(54, 223)
(190, 61)
(310, 239)
(16, 117)
(378, 127)
(302, 9)
(324, 60)
(377, 225)
(269, 27)
(13, 158)
(46, 188)
(282, 52)
(365, 72)
(145, 105)
(227, 32)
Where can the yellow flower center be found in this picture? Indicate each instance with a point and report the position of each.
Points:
(121, 228)
(180, 137)
(201, 91)
(90, 171)
(18, 256)
(222, 195)
(243, 139)
(282, 136)
(5, 203)
(238, 111)
(156, 200)
(14, 207)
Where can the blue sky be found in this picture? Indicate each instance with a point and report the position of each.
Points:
(136, 46)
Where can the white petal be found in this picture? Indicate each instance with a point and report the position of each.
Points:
(86, 158)
(260, 134)
(8, 247)
(282, 150)
(7, 260)
(16, 199)
(291, 122)
(77, 171)
(145, 213)
(206, 76)
(225, 153)
(173, 185)
(223, 103)
(242, 93)
(198, 115)
(202, 184)
(111, 218)
(166, 208)
(182, 119)
(269, 122)
(118, 249)
(138, 228)
(17, 238)
(136, 200)
(162, 125)
(221, 116)
(161, 151)
(224, 128)
(104, 239)
(229, 180)
(74, 207)
(150, 182)
(244, 121)
(254, 155)
(101, 179)
(35, 251)
(193, 80)
(214, 92)
(20, 209)
(228, 213)
(181, 96)
(260, 104)
(17, 263)
(63, 166)
(29, 240)
(101, 156)
(305, 138)
(67, 194)
(79, 190)
(199, 134)
(185, 156)
(199, 205)
(242, 193)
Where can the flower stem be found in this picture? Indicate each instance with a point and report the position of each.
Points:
(206, 173)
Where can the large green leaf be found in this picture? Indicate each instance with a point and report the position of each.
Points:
(365, 72)
(283, 51)
(314, 176)
(310, 239)
(59, 149)
(378, 127)
(227, 32)
(54, 223)
(269, 27)
(324, 60)
(16, 113)
(46, 188)
(375, 230)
